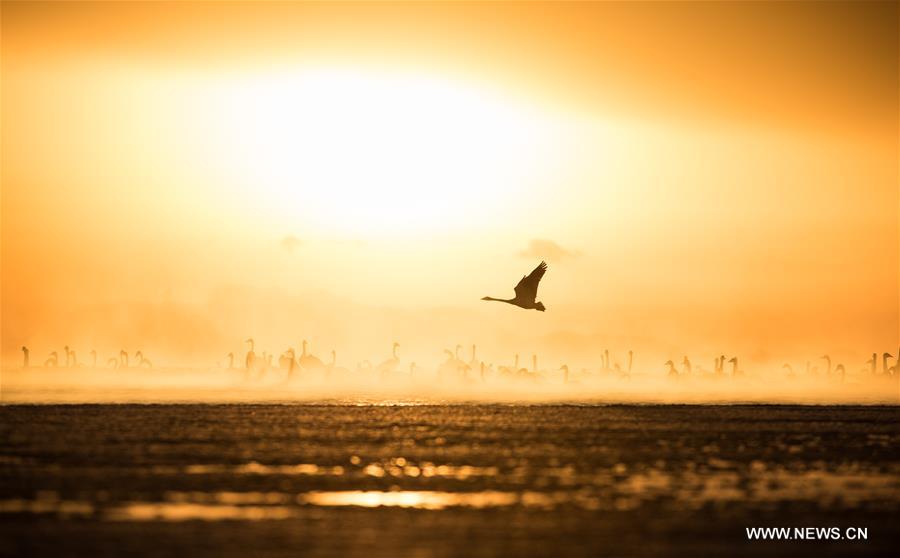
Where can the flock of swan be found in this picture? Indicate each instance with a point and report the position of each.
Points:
(290, 365)
(122, 360)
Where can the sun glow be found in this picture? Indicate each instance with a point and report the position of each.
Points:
(364, 153)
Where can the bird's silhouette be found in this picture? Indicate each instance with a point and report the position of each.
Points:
(250, 359)
(334, 369)
(734, 370)
(526, 290)
(142, 360)
(672, 372)
(310, 362)
(827, 360)
(53, 360)
(390, 364)
(841, 371)
(884, 366)
(288, 361)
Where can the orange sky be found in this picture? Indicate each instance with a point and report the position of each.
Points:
(711, 177)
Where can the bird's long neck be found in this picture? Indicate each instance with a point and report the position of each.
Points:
(507, 300)
(394, 352)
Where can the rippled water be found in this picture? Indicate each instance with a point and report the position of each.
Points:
(608, 477)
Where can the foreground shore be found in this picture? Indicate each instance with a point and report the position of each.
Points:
(439, 480)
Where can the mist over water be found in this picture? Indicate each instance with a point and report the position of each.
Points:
(440, 383)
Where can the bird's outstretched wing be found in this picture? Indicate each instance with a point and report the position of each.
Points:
(527, 287)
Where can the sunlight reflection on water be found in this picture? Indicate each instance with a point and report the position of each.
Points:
(685, 491)
(429, 500)
(165, 511)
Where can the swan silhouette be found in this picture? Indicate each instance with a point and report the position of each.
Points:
(526, 290)
(672, 372)
(390, 364)
(308, 361)
(250, 359)
(53, 360)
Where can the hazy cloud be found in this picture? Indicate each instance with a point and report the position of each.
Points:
(290, 243)
(548, 250)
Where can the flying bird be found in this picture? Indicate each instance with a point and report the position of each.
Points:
(526, 290)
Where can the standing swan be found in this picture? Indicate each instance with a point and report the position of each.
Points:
(526, 290)
(340, 370)
(473, 363)
(142, 361)
(53, 360)
(884, 364)
(25, 356)
(250, 359)
(289, 359)
(309, 361)
(827, 360)
(672, 373)
(390, 364)
(841, 371)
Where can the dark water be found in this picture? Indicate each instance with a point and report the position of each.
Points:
(440, 480)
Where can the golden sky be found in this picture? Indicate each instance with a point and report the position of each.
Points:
(702, 178)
